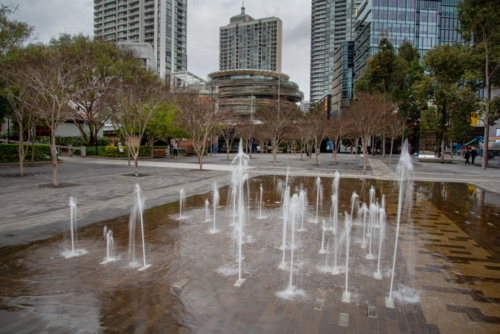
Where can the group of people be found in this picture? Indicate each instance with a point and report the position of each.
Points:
(468, 153)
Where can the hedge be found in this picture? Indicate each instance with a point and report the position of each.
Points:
(9, 153)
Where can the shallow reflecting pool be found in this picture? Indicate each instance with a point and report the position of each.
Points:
(447, 272)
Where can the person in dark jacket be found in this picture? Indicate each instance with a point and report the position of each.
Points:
(473, 154)
(467, 155)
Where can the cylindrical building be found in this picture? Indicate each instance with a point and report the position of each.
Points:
(244, 91)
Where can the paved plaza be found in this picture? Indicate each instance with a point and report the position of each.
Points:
(450, 251)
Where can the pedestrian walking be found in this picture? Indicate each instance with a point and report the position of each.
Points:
(467, 155)
(473, 154)
(215, 149)
(175, 146)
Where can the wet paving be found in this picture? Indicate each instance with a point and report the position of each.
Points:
(448, 270)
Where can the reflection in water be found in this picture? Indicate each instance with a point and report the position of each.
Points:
(79, 293)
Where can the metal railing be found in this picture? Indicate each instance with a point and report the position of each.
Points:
(70, 148)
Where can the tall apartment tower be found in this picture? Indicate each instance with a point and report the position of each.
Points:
(246, 43)
(161, 23)
(332, 23)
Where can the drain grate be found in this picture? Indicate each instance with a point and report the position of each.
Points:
(372, 312)
(181, 283)
(344, 320)
(319, 304)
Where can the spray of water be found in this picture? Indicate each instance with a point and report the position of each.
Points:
(238, 178)
(215, 200)
(404, 170)
(381, 215)
(135, 215)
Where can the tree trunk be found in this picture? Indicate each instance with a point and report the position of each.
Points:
(136, 163)
(487, 105)
(53, 154)
(275, 149)
(365, 153)
(200, 155)
(152, 144)
(317, 163)
(301, 151)
(227, 150)
(442, 148)
(33, 146)
(356, 148)
(21, 149)
(392, 145)
(383, 146)
(250, 147)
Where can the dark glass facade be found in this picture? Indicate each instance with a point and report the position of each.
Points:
(424, 23)
(343, 78)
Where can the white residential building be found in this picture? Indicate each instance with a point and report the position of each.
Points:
(135, 21)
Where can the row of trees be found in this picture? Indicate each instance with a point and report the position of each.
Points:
(280, 121)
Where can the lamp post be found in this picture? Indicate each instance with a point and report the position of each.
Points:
(251, 103)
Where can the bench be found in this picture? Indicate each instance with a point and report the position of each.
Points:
(159, 151)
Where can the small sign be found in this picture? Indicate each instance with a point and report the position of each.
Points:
(120, 147)
(329, 145)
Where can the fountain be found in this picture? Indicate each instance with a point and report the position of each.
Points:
(364, 211)
(302, 200)
(260, 204)
(346, 296)
(207, 211)
(293, 213)
(381, 215)
(182, 203)
(323, 250)
(137, 213)
(319, 198)
(335, 202)
(373, 218)
(73, 231)
(215, 200)
(404, 170)
(110, 244)
(286, 208)
(238, 179)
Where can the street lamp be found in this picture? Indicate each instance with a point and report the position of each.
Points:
(251, 103)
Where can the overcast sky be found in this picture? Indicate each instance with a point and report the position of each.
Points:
(51, 17)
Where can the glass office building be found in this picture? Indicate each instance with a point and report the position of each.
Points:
(161, 23)
(332, 22)
(343, 78)
(424, 23)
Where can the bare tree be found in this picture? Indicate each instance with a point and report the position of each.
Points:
(318, 127)
(245, 129)
(336, 130)
(300, 134)
(226, 130)
(50, 73)
(365, 118)
(18, 96)
(199, 116)
(99, 76)
(394, 125)
(276, 117)
(139, 96)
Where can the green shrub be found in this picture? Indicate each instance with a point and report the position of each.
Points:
(111, 151)
(101, 150)
(9, 153)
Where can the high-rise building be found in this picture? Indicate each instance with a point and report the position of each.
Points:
(332, 23)
(246, 43)
(161, 23)
(425, 23)
(343, 77)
